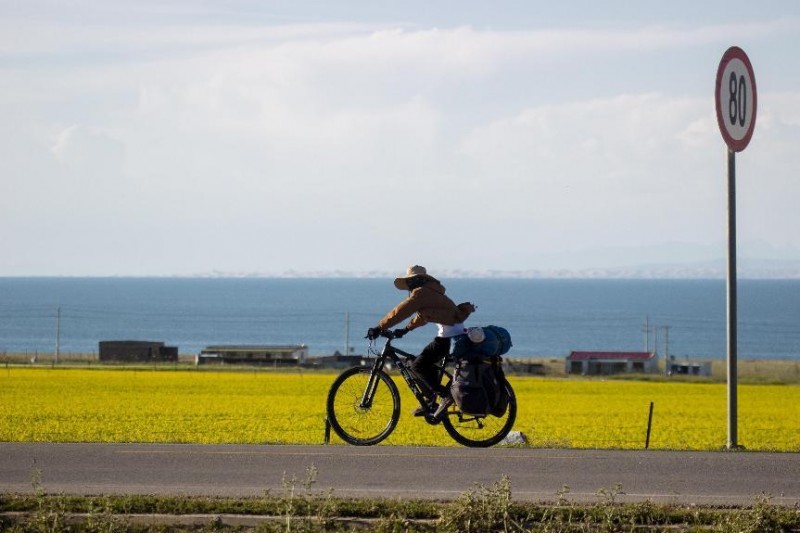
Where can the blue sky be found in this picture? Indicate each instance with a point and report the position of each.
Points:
(188, 137)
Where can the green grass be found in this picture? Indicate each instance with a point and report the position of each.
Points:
(300, 507)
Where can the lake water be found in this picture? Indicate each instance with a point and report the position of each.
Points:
(545, 317)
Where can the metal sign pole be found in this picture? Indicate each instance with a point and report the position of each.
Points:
(732, 308)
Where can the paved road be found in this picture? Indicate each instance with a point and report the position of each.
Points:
(388, 471)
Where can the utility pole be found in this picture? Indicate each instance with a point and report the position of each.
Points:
(666, 342)
(58, 332)
(646, 331)
(655, 341)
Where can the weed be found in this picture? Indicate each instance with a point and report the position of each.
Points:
(102, 517)
(307, 510)
(558, 517)
(480, 509)
(761, 518)
(50, 514)
(609, 496)
(562, 495)
(607, 512)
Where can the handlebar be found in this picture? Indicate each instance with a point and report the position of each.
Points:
(385, 333)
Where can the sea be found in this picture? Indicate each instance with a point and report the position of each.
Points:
(546, 317)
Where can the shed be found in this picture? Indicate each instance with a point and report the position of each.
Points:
(606, 363)
(137, 351)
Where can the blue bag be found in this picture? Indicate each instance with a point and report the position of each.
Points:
(496, 342)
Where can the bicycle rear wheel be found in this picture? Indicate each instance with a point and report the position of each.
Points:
(478, 431)
(360, 416)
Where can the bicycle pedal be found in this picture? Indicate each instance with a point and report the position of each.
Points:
(423, 411)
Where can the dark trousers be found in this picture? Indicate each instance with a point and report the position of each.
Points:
(423, 366)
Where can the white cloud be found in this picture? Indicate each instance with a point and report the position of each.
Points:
(280, 146)
(634, 147)
(89, 152)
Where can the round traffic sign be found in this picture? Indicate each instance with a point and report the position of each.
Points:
(736, 98)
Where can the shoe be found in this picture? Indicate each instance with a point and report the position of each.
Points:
(442, 408)
(422, 411)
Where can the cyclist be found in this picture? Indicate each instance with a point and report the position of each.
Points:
(426, 298)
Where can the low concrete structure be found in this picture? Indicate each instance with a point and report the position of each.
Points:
(686, 368)
(277, 355)
(337, 360)
(606, 363)
(522, 366)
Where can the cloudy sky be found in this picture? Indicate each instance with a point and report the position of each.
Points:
(182, 137)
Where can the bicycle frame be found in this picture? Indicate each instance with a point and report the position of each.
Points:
(401, 359)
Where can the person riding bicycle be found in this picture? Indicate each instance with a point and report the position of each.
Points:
(427, 299)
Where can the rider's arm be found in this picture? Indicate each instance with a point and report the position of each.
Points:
(464, 310)
(416, 322)
(402, 311)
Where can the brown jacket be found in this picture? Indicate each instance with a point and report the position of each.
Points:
(431, 305)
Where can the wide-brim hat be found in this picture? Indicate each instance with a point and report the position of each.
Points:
(412, 272)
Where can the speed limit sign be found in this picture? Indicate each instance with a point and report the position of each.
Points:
(736, 98)
(736, 101)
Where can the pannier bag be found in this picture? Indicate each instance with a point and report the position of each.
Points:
(479, 383)
(479, 386)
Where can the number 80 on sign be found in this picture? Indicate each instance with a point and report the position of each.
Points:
(736, 99)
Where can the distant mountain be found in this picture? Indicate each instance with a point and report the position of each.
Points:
(746, 269)
(756, 260)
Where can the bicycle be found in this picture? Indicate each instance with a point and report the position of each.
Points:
(363, 403)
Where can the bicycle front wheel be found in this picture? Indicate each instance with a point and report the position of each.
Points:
(363, 407)
(478, 431)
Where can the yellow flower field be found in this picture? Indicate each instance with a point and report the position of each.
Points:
(188, 406)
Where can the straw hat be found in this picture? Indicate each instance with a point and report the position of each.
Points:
(412, 272)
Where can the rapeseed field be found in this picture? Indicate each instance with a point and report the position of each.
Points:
(256, 407)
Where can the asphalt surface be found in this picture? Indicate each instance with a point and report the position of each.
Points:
(718, 478)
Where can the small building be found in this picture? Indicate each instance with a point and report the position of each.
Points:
(607, 363)
(137, 351)
(276, 355)
(686, 368)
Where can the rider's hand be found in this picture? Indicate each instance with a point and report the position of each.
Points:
(399, 332)
(469, 307)
(373, 333)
